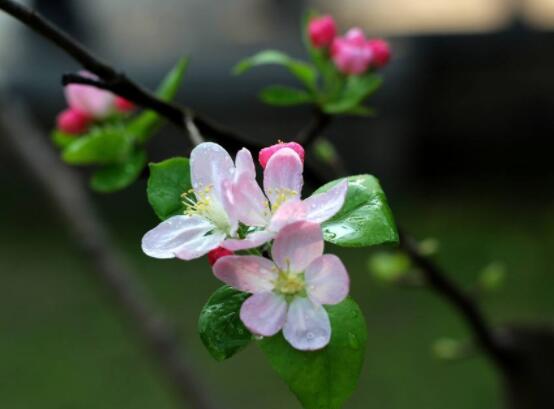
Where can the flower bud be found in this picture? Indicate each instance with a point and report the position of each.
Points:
(351, 53)
(94, 102)
(322, 30)
(123, 105)
(381, 52)
(267, 153)
(73, 121)
(218, 253)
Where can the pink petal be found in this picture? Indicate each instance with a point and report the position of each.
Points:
(283, 176)
(245, 163)
(210, 166)
(251, 274)
(264, 314)
(200, 246)
(308, 327)
(250, 204)
(327, 281)
(170, 235)
(323, 206)
(290, 212)
(251, 241)
(90, 100)
(297, 245)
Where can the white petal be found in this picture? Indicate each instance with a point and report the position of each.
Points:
(244, 163)
(323, 206)
(250, 204)
(210, 166)
(307, 327)
(251, 274)
(170, 235)
(283, 176)
(200, 246)
(297, 245)
(327, 281)
(264, 314)
(251, 241)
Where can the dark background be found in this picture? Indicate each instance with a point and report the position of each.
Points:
(462, 145)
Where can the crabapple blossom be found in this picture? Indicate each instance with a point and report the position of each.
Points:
(351, 53)
(123, 105)
(381, 52)
(281, 204)
(209, 218)
(322, 30)
(290, 291)
(218, 253)
(91, 101)
(72, 121)
(266, 153)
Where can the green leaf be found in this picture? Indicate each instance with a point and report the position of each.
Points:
(305, 72)
(219, 324)
(324, 379)
(282, 95)
(365, 219)
(118, 176)
(167, 182)
(105, 145)
(61, 139)
(144, 125)
(356, 90)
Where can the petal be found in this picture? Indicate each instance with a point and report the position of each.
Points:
(251, 274)
(308, 327)
(251, 241)
(264, 314)
(327, 281)
(297, 245)
(283, 178)
(200, 246)
(249, 202)
(210, 166)
(89, 100)
(290, 212)
(323, 206)
(228, 207)
(244, 163)
(170, 235)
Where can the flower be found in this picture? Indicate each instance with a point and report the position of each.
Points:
(381, 52)
(322, 30)
(351, 53)
(266, 153)
(218, 253)
(209, 217)
(280, 205)
(289, 292)
(90, 101)
(123, 105)
(72, 121)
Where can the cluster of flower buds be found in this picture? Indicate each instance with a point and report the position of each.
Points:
(352, 53)
(87, 104)
(228, 212)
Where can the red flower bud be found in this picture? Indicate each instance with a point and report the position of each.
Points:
(218, 253)
(351, 53)
(72, 121)
(123, 105)
(381, 52)
(321, 31)
(266, 153)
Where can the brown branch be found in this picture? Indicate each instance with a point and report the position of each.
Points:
(70, 199)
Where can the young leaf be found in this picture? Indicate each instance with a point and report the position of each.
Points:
(167, 182)
(62, 139)
(323, 379)
(101, 146)
(144, 125)
(219, 324)
(365, 219)
(118, 176)
(356, 90)
(282, 95)
(305, 72)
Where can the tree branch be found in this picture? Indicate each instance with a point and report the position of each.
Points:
(70, 199)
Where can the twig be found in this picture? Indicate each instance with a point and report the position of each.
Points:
(70, 199)
(319, 122)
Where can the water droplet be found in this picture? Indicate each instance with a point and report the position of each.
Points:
(310, 336)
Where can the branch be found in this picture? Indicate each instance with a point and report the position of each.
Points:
(64, 188)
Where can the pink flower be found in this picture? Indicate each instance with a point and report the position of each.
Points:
(72, 121)
(281, 204)
(218, 253)
(266, 153)
(209, 218)
(322, 30)
(89, 100)
(123, 105)
(289, 292)
(381, 52)
(351, 53)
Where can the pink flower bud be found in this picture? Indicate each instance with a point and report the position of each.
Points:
(73, 121)
(218, 253)
(267, 153)
(322, 31)
(94, 102)
(123, 105)
(381, 52)
(351, 53)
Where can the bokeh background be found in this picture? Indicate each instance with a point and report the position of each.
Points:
(463, 145)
